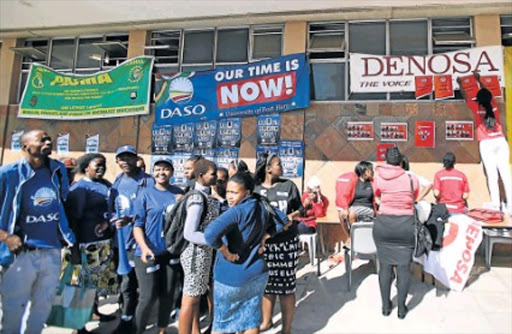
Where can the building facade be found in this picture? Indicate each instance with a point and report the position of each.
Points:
(89, 36)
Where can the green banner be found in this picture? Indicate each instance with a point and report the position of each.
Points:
(121, 91)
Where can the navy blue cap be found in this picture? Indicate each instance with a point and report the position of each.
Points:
(126, 149)
(163, 158)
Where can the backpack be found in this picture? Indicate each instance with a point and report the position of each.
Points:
(174, 223)
(270, 213)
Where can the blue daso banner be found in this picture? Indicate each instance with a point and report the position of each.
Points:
(271, 86)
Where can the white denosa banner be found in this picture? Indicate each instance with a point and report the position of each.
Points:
(380, 74)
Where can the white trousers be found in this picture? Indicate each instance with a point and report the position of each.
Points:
(495, 155)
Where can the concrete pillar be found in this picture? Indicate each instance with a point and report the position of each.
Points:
(10, 67)
(136, 42)
(295, 37)
(487, 29)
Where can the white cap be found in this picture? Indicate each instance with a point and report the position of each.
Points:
(313, 182)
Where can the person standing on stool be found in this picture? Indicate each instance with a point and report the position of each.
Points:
(393, 229)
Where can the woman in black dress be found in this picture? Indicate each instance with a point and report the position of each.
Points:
(281, 251)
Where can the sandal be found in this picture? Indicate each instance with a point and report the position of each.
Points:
(335, 260)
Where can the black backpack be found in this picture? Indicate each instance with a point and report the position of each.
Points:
(174, 223)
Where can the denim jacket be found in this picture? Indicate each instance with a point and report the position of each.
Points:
(12, 178)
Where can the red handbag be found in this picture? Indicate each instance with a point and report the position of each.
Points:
(486, 215)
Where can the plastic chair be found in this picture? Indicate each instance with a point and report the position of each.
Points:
(362, 247)
(492, 236)
(310, 240)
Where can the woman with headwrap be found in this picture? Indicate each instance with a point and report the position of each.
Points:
(393, 229)
(281, 251)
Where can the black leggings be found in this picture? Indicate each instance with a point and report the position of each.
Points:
(386, 278)
(161, 286)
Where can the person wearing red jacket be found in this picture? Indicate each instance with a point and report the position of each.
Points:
(315, 206)
(354, 197)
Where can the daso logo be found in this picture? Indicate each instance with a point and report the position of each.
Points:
(181, 91)
(44, 197)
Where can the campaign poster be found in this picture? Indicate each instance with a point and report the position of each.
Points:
(460, 130)
(470, 86)
(92, 143)
(269, 129)
(360, 131)
(225, 155)
(230, 132)
(63, 144)
(423, 86)
(183, 137)
(425, 134)
(206, 132)
(291, 153)
(178, 162)
(270, 86)
(492, 83)
(207, 153)
(443, 87)
(396, 131)
(266, 149)
(381, 151)
(16, 140)
(161, 139)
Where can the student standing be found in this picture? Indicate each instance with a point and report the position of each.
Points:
(158, 273)
(281, 251)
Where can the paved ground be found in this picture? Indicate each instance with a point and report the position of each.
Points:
(324, 306)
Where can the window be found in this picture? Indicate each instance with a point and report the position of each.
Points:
(266, 41)
(206, 49)
(330, 43)
(81, 55)
(451, 34)
(506, 30)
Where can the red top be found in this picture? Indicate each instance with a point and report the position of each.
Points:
(346, 189)
(451, 184)
(482, 132)
(314, 210)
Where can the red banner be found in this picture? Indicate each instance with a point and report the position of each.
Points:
(423, 86)
(425, 134)
(492, 83)
(470, 85)
(443, 87)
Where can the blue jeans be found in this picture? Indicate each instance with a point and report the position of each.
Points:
(34, 276)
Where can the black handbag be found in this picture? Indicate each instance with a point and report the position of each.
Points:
(423, 239)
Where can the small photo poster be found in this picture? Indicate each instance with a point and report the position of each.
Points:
(381, 151)
(161, 139)
(92, 143)
(291, 153)
(206, 133)
(225, 155)
(63, 144)
(460, 130)
(183, 137)
(207, 153)
(396, 131)
(423, 86)
(443, 87)
(230, 132)
(470, 86)
(360, 131)
(425, 134)
(266, 149)
(492, 83)
(178, 162)
(269, 129)
(16, 140)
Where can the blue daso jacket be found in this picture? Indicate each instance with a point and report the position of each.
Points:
(12, 178)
